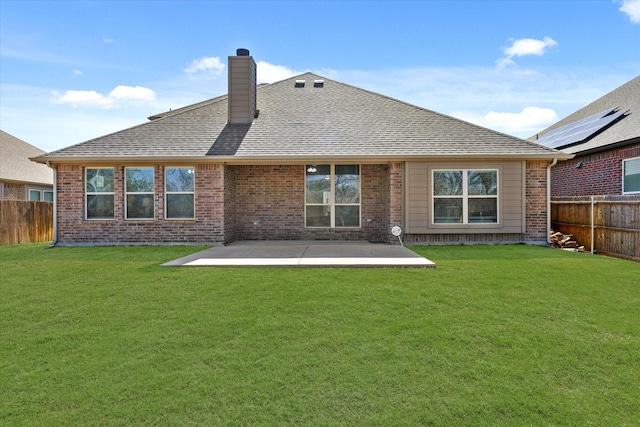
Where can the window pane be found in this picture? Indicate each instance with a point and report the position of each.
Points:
(318, 184)
(318, 216)
(140, 206)
(139, 180)
(34, 195)
(48, 196)
(99, 180)
(347, 216)
(447, 183)
(483, 183)
(347, 184)
(180, 179)
(180, 206)
(447, 210)
(100, 206)
(483, 210)
(631, 176)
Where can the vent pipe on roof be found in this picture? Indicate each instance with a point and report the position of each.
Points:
(242, 88)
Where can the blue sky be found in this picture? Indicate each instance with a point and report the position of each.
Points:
(74, 70)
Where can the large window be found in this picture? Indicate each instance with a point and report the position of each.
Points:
(99, 193)
(179, 191)
(332, 196)
(465, 196)
(631, 176)
(139, 187)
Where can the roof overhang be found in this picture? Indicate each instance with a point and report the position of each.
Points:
(296, 159)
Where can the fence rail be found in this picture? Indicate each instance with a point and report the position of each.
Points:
(605, 224)
(25, 222)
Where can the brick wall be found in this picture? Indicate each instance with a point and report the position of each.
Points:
(536, 202)
(270, 205)
(598, 174)
(231, 203)
(208, 226)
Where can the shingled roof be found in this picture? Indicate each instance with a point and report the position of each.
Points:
(625, 130)
(322, 120)
(15, 165)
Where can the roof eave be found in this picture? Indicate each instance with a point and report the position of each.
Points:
(295, 159)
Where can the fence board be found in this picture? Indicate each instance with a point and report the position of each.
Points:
(616, 223)
(25, 222)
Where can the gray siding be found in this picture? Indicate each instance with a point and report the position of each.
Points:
(511, 200)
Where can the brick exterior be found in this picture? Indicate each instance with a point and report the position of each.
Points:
(270, 205)
(599, 173)
(261, 202)
(536, 202)
(73, 229)
(231, 203)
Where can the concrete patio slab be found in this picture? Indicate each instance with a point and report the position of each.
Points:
(304, 254)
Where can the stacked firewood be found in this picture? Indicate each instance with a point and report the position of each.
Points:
(564, 242)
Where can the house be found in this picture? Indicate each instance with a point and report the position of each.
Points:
(604, 136)
(305, 158)
(20, 178)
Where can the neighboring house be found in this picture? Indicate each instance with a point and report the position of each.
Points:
(21, 178)
(605, 138)
(303, 158)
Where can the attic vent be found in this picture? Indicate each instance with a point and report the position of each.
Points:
(318, 83)
(299, 83)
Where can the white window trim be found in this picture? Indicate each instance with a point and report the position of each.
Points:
(332, 202)
(127, 193)
(166, 193)
(102, 193)
(624, 166)
(41, 191)
(465, 198)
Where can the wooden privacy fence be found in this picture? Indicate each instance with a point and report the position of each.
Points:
(25, 222)
(608, 225)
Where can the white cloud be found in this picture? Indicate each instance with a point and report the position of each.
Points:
(83, 98)
(77, 73)
(269, 73)
(91, 98)
(106, 40)
(206, 67)
(525, 47)
(129, 92)
(528, 120)
(631, 8)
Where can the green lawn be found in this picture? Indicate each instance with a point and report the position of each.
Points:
(495, 335)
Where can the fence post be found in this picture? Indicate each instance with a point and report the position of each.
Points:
(592, 224)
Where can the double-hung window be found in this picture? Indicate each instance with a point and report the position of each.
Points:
(631, 176)
(99, 185)
(139, 193)
(179, 192)
(332, 196)
(465, 196)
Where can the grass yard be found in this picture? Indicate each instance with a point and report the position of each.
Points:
(495, 335)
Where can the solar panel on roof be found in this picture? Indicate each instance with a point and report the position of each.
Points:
(579, 130)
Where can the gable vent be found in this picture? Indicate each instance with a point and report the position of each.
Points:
(300, 83)
(318, 83)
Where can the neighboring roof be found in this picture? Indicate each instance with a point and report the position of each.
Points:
(625, 130)
(15, 165)
(305, 123)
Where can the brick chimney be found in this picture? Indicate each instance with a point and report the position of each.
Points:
(242, 88)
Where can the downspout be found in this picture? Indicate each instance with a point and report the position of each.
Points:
(552, 164)
(55, 203)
